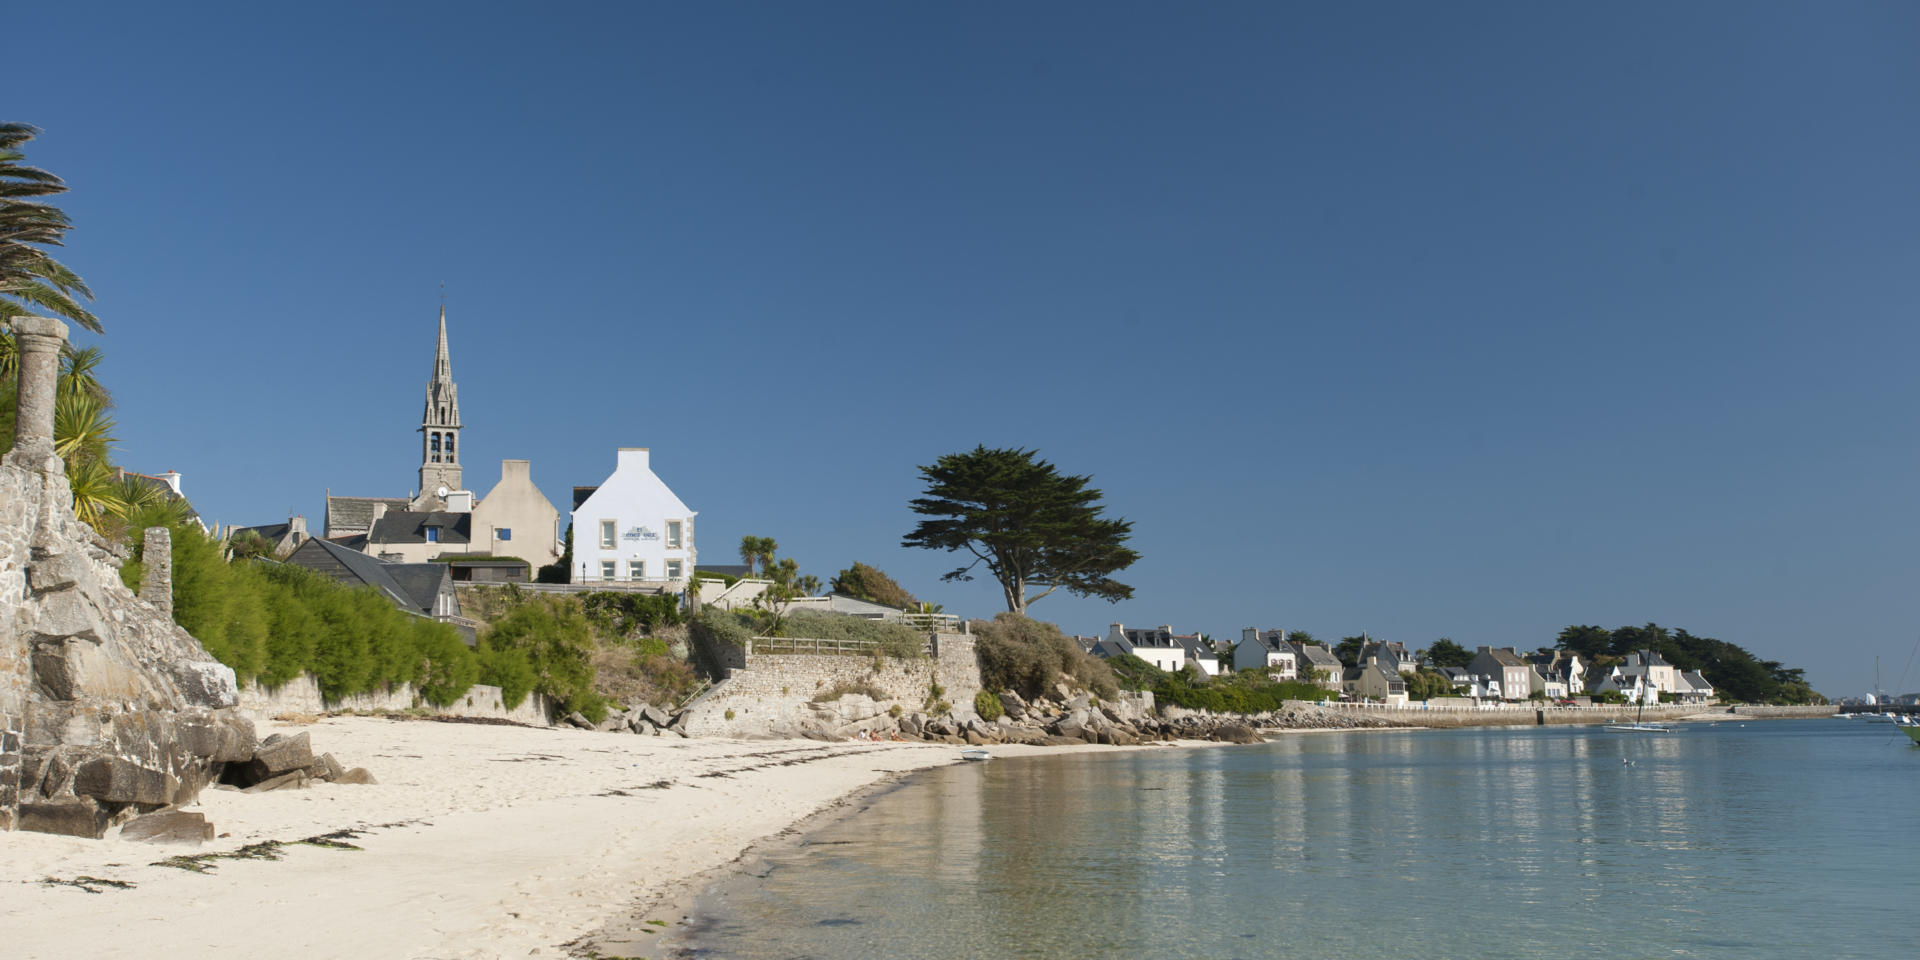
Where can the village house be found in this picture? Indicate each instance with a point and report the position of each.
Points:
(1266, 650)
(631, 528)
(1375, 680)
(420, 589)
(1200, 654)
(280, 538)
(1156, 646)
(1504, 666)
(1317, 664)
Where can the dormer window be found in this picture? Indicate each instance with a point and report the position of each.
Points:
(433, 534)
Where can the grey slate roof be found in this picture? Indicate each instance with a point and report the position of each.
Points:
(410, 526)
(1506, 657)
(403, 584)
(1696, 681)
(1273, 640)
(355, 514)
(271, 532)
(1151, 637)
(1319, 656)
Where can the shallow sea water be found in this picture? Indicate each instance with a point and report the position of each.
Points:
(1785, 838)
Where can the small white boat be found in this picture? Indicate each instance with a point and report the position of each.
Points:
(1638, 728)
(975, 754)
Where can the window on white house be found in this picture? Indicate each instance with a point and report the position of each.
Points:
(503, 533)
(673, 569)
(607, 535)
(673, 534)
(433, 534)
(606, 570)
(637, 570)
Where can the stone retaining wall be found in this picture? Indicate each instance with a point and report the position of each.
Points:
(772, 695)
(301, 695)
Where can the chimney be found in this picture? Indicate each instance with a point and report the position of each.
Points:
(460, 501)
(631, 458)
(172, 477)
(297, 530)
(516, 470)
(379, 510)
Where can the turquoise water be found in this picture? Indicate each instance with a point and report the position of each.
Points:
(1776, 839)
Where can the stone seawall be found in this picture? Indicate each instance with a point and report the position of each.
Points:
(301, 695)
(773, 694)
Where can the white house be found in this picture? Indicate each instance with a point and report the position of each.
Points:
(631, 528)
(1158, 647)
(1200, 653)
(1266, 650)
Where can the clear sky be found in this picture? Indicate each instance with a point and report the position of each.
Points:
(1465, 319)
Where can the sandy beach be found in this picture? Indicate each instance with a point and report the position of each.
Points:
(477, 841)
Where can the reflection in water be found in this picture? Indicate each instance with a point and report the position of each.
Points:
(1713, 842)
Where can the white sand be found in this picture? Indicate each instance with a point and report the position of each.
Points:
(482, 841)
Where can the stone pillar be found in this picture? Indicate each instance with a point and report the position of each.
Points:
(39, 340)
(156, 577)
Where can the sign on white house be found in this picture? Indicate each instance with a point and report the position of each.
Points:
(632, 528)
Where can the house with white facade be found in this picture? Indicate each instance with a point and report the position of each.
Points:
(1266, 650)
(632, 528)
(1156, 646)
(1200, 654)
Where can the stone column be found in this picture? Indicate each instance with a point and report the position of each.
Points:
(156, 574)
(39, 340)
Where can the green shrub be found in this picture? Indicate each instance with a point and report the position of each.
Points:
(1029, 657)
(557, 640)
(987, 704)
(508, 669)
(895, 640)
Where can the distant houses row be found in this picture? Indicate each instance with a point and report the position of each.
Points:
(1495, 673)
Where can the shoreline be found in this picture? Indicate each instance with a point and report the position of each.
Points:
(478, 841)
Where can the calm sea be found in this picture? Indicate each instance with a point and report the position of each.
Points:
(1773, 839)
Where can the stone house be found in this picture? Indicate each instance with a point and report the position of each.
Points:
(632, 528)
(1318, 664)
(1375, 680)
(1266, 650)
(1504, 666)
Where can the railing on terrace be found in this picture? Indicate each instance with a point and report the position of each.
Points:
(843, 648)
(935, 622)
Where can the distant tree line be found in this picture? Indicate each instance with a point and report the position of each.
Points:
(1734, 673)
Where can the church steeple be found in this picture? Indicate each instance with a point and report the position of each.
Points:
(440, 429)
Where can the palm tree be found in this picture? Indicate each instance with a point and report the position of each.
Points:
(30, 280)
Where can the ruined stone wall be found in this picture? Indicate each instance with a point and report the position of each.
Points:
(773, 695)
(107, 709)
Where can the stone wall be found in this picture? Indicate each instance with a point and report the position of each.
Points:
(301, 695)
(773, 694)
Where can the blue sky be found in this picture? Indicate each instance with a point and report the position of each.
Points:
(1467, 320)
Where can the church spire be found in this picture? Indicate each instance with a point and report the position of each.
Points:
(442, 363)
(440, 429)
